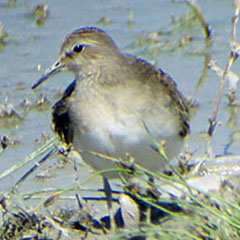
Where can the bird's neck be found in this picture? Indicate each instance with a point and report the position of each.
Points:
(100, 72)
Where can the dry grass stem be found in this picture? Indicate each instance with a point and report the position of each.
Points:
(232, 57)
(199, 14)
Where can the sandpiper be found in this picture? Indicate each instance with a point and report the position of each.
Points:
(117, 104)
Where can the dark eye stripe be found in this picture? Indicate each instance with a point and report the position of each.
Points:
(78, 48)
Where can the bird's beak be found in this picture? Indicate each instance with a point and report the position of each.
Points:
(53, 70)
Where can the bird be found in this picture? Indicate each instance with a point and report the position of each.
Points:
(118, 107)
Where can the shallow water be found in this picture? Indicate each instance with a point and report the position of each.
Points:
(32, 48)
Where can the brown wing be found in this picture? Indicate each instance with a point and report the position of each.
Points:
(171, 87)
(152, 74)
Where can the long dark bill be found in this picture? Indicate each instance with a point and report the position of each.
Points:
(46, 75)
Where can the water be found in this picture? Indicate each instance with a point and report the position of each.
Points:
(31, 49)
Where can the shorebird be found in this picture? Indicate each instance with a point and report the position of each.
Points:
(118, 105)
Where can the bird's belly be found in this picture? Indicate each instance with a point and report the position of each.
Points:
(101, 131)
(100, 156)
(119, 141)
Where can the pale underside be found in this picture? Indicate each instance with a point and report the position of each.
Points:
(123, 120)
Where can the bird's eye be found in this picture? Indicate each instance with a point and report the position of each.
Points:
(78, 48)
